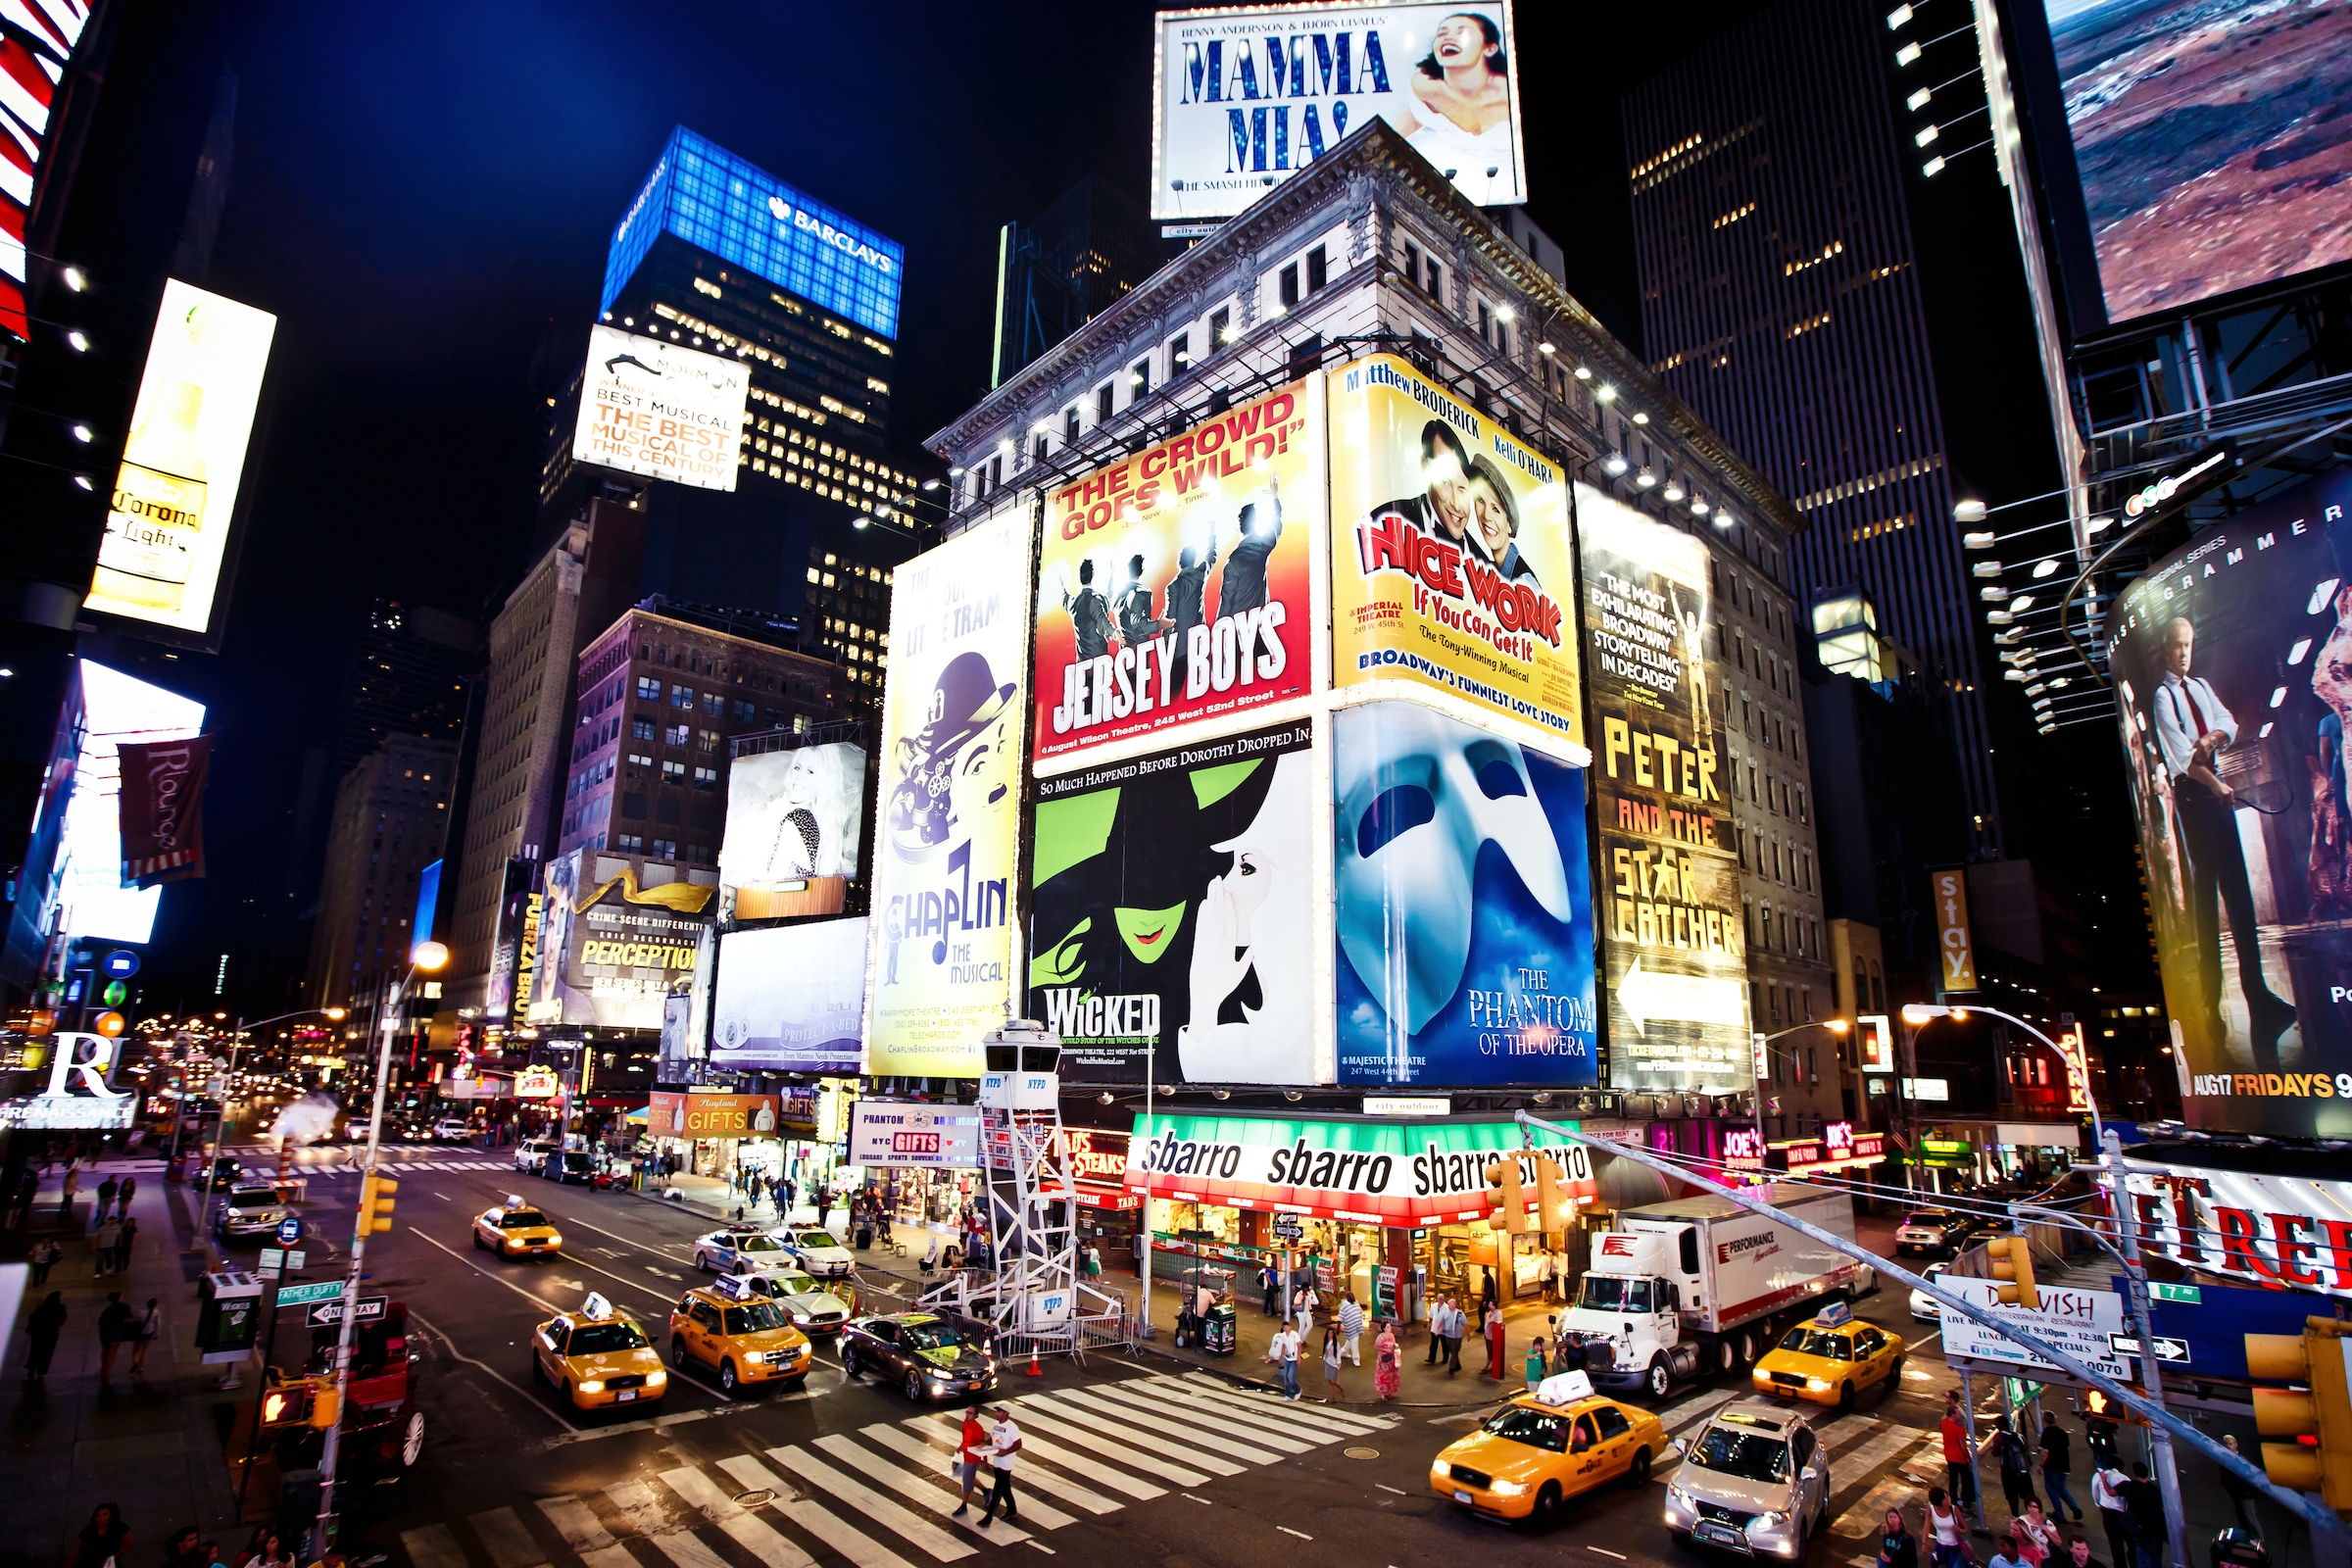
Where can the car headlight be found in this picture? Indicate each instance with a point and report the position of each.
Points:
(592, 1386)
(938, 1373)
(1438, 1467)
(1818, 1385)
(1508, 1488)
(655, 1378)
(1677, 1497)
(1772, 1519)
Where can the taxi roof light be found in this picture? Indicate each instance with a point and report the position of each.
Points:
(596, 1306)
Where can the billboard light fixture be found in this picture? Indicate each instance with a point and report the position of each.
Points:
(2021, 604)
(1972, 512)
(80, 342)
(2098, 526)
(1545, 348)
(1645, 479)
(1700, 506)
(1998, 618)
(84, 480)
(75, 278)
(1988, 568)
(2046, 569)
(1640, 417)
(1673, 491)
(1919, 100)
(81, 432)
(1583, 373)
(1614, 465)
(1505, 313)
(1724, 519)
(1604, 393)
(1906, 54)
(1992, 593)
(2035, 690)
(1926, 135)
(1896, 17)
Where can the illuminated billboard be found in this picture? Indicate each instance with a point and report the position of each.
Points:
(940, 973)
(1176, 584)
(1673, 936)
(738, 212)
(176, 493)
(2232, 662)
(610, 952)
(2206, 139)
(1243, 97)
(119, 708)
(791, 997)
(1463, 905)
(1450, 557)
(1173, 908)
(792, 817)
(32, 64)
(653, 408)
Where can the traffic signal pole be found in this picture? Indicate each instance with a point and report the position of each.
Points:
(2321, 1519)
(2143, 1324)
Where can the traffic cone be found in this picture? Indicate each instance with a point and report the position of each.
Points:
(1033, 1368)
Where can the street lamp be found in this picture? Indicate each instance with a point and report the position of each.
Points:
(220, 1121)
(1835, 1026)
(428, 957)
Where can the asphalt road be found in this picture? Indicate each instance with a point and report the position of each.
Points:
(1131, 1460)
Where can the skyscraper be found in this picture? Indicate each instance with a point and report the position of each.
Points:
(1068, 265)
(1780, 298)
(408, 676)
(391, 819)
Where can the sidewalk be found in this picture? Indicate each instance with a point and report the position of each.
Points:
(151, 1443)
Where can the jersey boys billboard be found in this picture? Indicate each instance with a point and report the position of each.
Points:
(1173, 911)
(1449, 551)
(1173, 586)
(940, 973)
(1674, 953)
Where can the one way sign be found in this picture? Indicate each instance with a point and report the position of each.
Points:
(2167, 1349)
(326, 1314)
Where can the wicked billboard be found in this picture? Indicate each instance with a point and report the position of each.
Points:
(1174, 912)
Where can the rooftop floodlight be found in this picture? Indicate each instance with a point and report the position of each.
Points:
(1933, 166)
(1919, 100)
(1971, 511)
(1906, 54)
(1896, 17)
(1614, 465)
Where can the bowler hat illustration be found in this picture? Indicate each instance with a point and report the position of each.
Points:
(965, 701)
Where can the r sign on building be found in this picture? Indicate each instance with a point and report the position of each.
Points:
(653, 408)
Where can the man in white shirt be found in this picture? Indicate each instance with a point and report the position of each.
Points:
(1284, 1354)
(1352, 1328)
(2193, 727)
(1004, 1443)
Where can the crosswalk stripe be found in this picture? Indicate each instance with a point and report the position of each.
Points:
(1127, 1447)
(576, 1522)
(510, 1542)
(686, 1550)
(433, 1547)
(922, 1489)
(1696, 1408)
(1035, 1478)
(642, 1507)
(1867, 1455)
(1077, 1464)
(1319, 1422)
(748, 1531)
(861, 1549)
(1178, 1425)
(872, 1503)
(1225, 1427)
(1869, 1516)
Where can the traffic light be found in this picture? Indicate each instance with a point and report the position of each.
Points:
(325, 1405)
(2317, 1417)
(1505, 1197)
(375, 1205)
(2012, 1259)
(2093, 1404)
(289, 1404)
(1554, 1206)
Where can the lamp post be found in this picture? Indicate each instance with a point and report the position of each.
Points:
(2136, 1274)
(1835, 1026)
(428, 957)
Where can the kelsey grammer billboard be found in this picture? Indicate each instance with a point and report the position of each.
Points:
(2233, 669)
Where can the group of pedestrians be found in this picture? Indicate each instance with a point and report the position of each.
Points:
(998, 1448)
(107, 1539)
(2129, 1504)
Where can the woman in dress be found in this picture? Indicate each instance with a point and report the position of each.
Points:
(1331, 1362)
(1495, 1367)
(1387, 1362)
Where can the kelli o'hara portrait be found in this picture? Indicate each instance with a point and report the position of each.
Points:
(2233, 671)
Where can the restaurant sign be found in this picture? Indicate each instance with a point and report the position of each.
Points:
(1839, 1147)
(1430, 1172)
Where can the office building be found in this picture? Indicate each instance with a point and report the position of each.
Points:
(390, 821)
(409, 674)
(663, 692)
(1068, 265)
(1780, 299)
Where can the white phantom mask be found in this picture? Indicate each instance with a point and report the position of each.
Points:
(1418, 795)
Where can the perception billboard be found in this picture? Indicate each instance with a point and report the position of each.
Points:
(1175, 586)
(610, 952)
(653, 408)
(1463, 905)
(741, 212)
(1451, 557)
(1173, 914)
(1243, 97)
(176, 493)
(940, 970)
(2232, 670)
(789, 997)
(1673, 942)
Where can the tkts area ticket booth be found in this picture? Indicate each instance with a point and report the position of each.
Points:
(1395, 1211)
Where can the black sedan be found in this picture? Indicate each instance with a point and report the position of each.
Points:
(568, 1166)
(932, 1358)
(224, 1172)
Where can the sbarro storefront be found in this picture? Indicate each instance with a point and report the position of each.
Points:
(1395, 1211)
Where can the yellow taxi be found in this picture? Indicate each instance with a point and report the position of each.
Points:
(1545, 1447)
(1829, 1359)
(515, 1229)
(598, 1356)
(738, 1332)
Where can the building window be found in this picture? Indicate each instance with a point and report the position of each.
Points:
(649, 690)
(1413, 261)
(675, 734)
(1436, 280)
(1069, 425)
(707, 740)
(744, 712)
(713, 704)
(640, 760)
(673, 772)
(663, 849)
(1220, 330)
(1138, 379)
(1485, 321)
(1037, 453)
(1318, 270)
(630, 842)
(698, 854)
(681, 697)
(640, 730)
(1103, 402)
(705, 778)
(1289, 285)
(1179, 354)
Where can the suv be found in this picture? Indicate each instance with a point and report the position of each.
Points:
(248, 1210)
(563, 1166)
(739, 1334)
(453, 1132)
(1754, 1480)
(530, 1156)
(1931, 1233)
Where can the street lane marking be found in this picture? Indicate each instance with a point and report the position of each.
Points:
(642, 1247)
(1036, 1476)
(1202, 1501)
(901, 1522)
(752, 1534)
(1100, 1438)
(1606, 1553)
(537, 1300)
(1055, 1454)
(534, 1401)
(576, 1522)
(433, 1547)
(1254, 1430)
(1385, 1486)
(1126, 1418)
(1288, 1531)
(503, 1535)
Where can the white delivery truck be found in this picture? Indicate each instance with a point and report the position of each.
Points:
(1698, 1286)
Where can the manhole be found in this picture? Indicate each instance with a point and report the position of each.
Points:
(759, 1497)
(1361, 1453)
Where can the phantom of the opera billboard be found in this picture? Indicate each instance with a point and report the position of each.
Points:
(1673, 945)
(1174, 586)
(1463, 906)
(1173, 914)
(2232, 663)
(610, 952)
(940, 967)
(1451, 559)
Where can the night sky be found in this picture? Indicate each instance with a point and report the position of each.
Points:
(424, 194)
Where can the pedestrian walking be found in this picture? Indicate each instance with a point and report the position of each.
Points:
(150, 1324)
(66, 1192)
(1283, 1352)
(114, 1325)
(2109, 1494)
(1351, 1329)
(1093, 1263)
(1303, 1308)
(2057, 1459)
(2144, 1502)
(184, 1549)
(1269, 1286)
(1545, 1272)
(103, 1540)
(2078, 1553)
(1388, 1364)
(1897, 1546)
(1331, 1363)
(128, 1234)
(824, 1202)
(1437, 1331)
(131, 1185)
(102, 1246)
(1947, 1545)
(2036, 1534)
(43, 1257)
(1538, 1363)
(106, 1196)
(971, 1452)
(1004, 1446)
(268, 1551)
(1457, 1325)
(1958, 1464)
(2239, 1492)
(41, 1329)
(2005, 1553)
(2017, 1467)
(1495, 1347)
